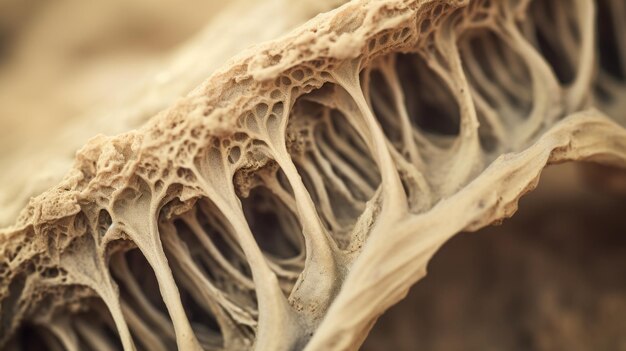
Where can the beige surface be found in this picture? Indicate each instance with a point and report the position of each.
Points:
(300, 191)
(79, 69)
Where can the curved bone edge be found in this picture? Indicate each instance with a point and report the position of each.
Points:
(390, 264)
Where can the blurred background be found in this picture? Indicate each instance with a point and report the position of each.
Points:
(549, 278)
(57, 58)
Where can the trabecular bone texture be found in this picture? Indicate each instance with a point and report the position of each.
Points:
(301, 190)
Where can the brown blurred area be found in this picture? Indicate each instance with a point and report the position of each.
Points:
(57, 58)
(552, 277)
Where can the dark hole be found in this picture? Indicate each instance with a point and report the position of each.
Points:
(384, 107)
(214, 227)
(202, 320)
(556, 56)
(484, 54)
(429, 102)
(141, 272)
(104, 222)
(607, 42)
(31, 338)
(100, 320)
(144, 275)
(9, 306)
(269, 228)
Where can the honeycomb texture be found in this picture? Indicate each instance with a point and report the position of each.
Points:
(300, 191)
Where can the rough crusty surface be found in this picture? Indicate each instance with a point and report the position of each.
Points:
(301, 190)
(139, 94)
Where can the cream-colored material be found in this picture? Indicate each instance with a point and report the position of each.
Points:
(147, 84)
(300, 191)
